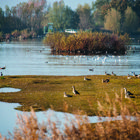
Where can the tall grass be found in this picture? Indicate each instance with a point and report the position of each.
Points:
(81, 129)
(87, 43)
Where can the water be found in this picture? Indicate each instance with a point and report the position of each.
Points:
(8, 89)
(9, 118)
(33, 58)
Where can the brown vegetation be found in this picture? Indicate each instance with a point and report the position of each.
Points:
(81, 129)
(87, 43)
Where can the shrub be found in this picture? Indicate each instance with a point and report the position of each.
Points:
(16, 34)
(86, 43)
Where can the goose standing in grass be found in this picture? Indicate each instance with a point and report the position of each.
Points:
(66, 95)
(113, 74)
(127, 96)
(105, 81)
(86, 79)
(138, 76)
(128, 76)
(135, 75)
(128, 92)
(75, 91)
(107, 73)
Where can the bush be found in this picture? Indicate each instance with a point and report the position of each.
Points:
(87, 43)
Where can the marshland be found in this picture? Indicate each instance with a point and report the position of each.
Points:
(45, 77)
(69, 73)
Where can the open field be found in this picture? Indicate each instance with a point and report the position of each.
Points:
(43, 92)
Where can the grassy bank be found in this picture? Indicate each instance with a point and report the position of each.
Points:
(87, 43)
(43, 92)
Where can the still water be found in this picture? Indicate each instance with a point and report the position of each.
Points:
(33, 58)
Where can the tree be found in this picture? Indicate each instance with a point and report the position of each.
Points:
(135, 4)
(1, 19)
(100, 8)
(62, 16)
(56, 14)
(84, 13)
(131, 20)
(112, 20)
(70, 18)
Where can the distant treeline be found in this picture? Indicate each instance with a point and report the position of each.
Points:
(115, 16)
(87, 43)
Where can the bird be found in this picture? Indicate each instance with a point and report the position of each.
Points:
(128, 76)
(113, 73)
(1, 74)
(138, 76)
(86, 79)
(105, 81)
(135, 75)
(127, 93)
(127, 96)
(66, 95)
(92, 69)
(107, 73)
(75, 91)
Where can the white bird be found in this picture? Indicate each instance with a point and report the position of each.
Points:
(75, 91)
(66, 95)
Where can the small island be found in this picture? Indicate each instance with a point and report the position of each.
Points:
(87, 43)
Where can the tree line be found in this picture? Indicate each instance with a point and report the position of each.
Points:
(30, 17)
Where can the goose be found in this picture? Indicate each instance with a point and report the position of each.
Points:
(127, 96)
(105, 81)
(92, 69)
(66, 95)
(1, 74)
(135, 75)
(138, 76)
(86, 79)
(107, 73)
(75, 91)
(113, 73)
(128, 76)
(127, 92)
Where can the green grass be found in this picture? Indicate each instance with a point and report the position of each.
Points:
(43, 92)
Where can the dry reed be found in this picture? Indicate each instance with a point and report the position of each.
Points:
(81, 128)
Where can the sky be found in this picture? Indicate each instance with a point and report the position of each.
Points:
(71, 3)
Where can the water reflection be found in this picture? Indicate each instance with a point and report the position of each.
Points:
(33, 58)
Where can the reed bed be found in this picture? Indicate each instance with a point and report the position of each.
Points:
(81, 129)
(87, 43)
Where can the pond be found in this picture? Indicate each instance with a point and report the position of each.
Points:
(34, 58)
(8, 89)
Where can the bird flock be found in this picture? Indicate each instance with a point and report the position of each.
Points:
(127, 93)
